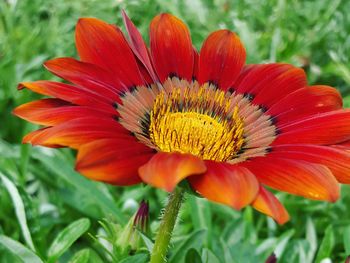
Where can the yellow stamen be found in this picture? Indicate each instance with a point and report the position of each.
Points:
(197, 121)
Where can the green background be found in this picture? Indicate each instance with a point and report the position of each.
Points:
(314, 35)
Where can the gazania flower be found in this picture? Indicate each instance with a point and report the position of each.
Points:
(169, 113)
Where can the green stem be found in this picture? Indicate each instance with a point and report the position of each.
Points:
(167, 226)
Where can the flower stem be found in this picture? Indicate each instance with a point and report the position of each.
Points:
(167, 226)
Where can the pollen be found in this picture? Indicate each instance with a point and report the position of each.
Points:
(196, 120)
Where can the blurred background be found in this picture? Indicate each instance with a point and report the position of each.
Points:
(40, 194)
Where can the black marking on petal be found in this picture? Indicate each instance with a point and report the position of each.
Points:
(248, 96)
(263, 108)
(231, 90)
(173, 75)
(194, 78)
(268, 149)
(277, 131)
(273, 120)
(115, 105)
(214, 83)
(122, 93)
(132, 89)
(117, 118)
(132, 134)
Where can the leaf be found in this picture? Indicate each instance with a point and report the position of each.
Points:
(194, 240)
(193, 256)
(19, 250)
(148, 242)
(67, 237)
(138, 258)
(311, 237)
(56, 162)
(346, 237)
(209, 257)
(19, 209)
(326, 246)
(84, 256)
(282, 242)
(200, 215)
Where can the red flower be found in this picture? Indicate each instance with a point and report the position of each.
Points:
(168, 113)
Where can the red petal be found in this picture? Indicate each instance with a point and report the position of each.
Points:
(195, 64)
(32, 135)
(231, 185)
(138, 46)
(323, 129)
(296, 177)
(221, 59)
(113, 161)
(305, 102)
(73, 94)
(104, 45)
(77, 132)
(337, 160)
(268, 204)
(51, 112)
(166, 170)
(268, 83)
(171, 47)
(86, 75)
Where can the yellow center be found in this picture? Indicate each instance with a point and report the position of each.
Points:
(198, 122)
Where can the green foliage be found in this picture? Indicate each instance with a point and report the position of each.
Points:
(42, 199)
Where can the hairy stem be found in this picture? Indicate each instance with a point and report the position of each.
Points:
(167, 226)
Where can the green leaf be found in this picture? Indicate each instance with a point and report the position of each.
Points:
(326, 246)
(209, 257)
(148, 242)
(20, 251)
(346, 236)
(138, 258)
(282, 242)
(194, 240)
(311, 237)
(19, 209)
(86, 255)
(67, 237)
(56, 162)
(193, 256)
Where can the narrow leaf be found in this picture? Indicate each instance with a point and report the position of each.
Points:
(19, 250)
(19, 209)
(67, 237)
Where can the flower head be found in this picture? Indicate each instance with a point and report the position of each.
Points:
(168, 113)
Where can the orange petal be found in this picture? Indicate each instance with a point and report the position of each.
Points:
(171, 47)
(30, 137)
(138, 46)
(309, 180)
(86, 75)
(231, 185)
(221, 59)
(80, 131)
(265, 202)
(337, 160)
(51, 112)
(114, 161)
(104, 45)
(73, 94)
(166, 170)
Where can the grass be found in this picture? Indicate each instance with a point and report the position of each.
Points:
(41, 195)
